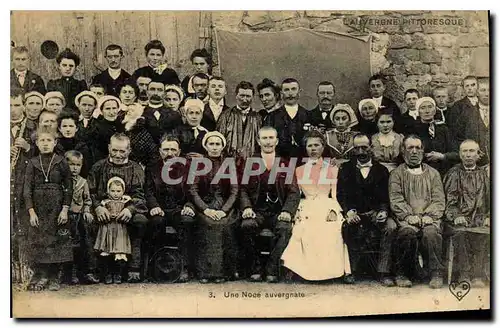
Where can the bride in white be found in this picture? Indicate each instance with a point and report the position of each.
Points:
(316, 250)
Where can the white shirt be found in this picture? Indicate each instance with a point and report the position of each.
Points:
(413, 113)
(21, 76)
(85, 121)
(197, 129)
(244, 112)
(378, 100)
(292, 110)
(268, 159)
(365, 168)
(216, 108)
(114, 73)
(473, 100)
(416, 171)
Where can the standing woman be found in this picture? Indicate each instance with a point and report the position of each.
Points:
(270, 96)
(202, 62)
(340, 138)
(386, 144)
(48, 189)
(70, 87)
(216, 217)
(104, 126)
(316, 250)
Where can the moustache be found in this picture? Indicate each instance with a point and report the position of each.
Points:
(155, 97)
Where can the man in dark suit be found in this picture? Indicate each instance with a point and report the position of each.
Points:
(156, 69)
(377, 89)
(464, 105)
(159, 119)
(320, 115)
(291, 120)
(111, 78)
(407, 121)
(267, 204)
(362, 192)
(441, 97)
(216, 104)
(474, 122)
(20, 76)
(168, 203)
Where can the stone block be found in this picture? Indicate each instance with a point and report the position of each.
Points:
(473, 40)
(447, 52)
(450, 25)
(422, 41)
(256, 17)
(417, 68)
(381, 24)
(318, 13)
(378, 61)
(409, 24)
(401, 56)
(443, 40)
(430, 56)
(393, 70)
(280, 15)
(398, 41)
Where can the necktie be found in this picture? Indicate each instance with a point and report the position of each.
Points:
(196, 132)
(486, 118)
(432, 130)
(21, 76)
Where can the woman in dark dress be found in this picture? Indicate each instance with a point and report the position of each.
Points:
(340, 138)
(202, 62)
(70, 87)
(216, 217)
(367, 117)
(47, 192)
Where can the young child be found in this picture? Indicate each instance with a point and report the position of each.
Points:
(69, 140)
(112, 240)
(48, 189)
(79, 217)
(54, 102)
(387, 143)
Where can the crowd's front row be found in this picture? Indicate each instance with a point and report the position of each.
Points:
(319, 230)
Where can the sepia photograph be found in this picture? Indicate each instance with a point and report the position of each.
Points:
(250, 163)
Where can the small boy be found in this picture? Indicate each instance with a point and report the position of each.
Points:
(80, 219)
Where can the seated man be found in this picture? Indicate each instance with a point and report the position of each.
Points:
(417, 200)
(362, 194)
(168, 203)
(467, 190)
(267, 204)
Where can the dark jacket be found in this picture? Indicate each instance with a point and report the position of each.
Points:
(170, 198)
(289, 130)
(317, 120)
(110, 85)
(168, 76)
(32, 82)
(65, 144)
(363, 195)
(208, 121)
(69, 87)
(189, 144)
(169, 119)
(288, 194)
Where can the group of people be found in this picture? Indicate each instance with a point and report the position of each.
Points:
(91, 172)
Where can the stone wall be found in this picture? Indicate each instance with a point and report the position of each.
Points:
(413, 49)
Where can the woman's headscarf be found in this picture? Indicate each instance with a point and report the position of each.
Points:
(213, 134)
(55, 94)
(194, 103)
(86, 93)
(179, 91)
(116, 179)
(346, 108)
(36, 94)
(98, 110)
(420, 101)
(367, 100)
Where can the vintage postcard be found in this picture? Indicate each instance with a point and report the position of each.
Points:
(249, 164)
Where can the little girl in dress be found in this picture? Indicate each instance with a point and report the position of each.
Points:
(112, 240)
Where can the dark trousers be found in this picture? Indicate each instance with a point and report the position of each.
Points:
(470, 252)
(136, 228)
(369, 236)
(282, 233)
(82, 246)
(410, 241)
(185, 228)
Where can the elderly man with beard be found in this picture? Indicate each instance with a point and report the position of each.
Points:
(216, 104)
(115, 75)
(291, 120)
(320, 115)
(118, 165)
(418, 202)
(168, 202)
(267, 204)
(362, 194)
(240, 125)
(159, 119)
